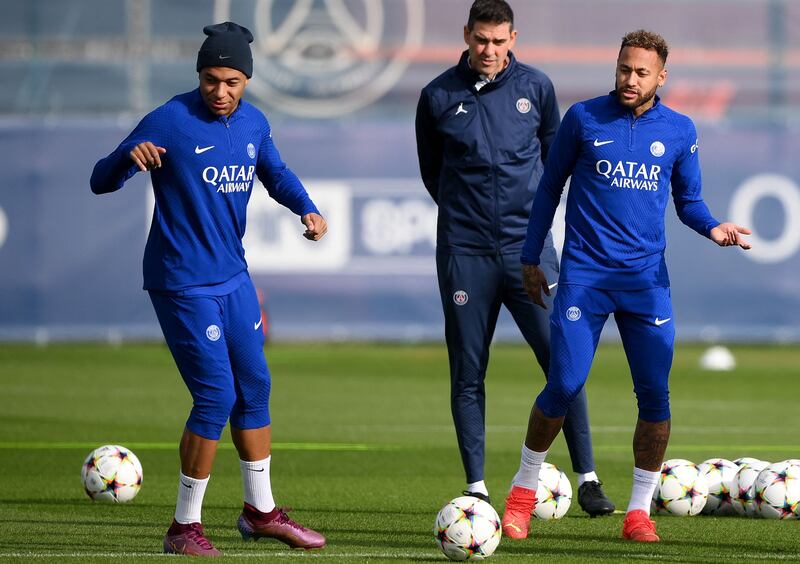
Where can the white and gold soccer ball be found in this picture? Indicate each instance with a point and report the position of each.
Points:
(777, 491)
(682, 490)
(467, 528)
(554, 494)
(112, 473)
(720, 475)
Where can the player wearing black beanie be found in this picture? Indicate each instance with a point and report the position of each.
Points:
(227, 45)
(206, 150)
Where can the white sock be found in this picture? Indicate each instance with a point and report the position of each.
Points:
(190, 499)
(479, 487)
(529, 465)
(644, 484)
(588, 477)
(257, 486)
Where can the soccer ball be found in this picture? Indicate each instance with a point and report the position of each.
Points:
(743, 488)
(682, 490)
(111, 473)
(467, 528)
(718, 359)
(720, 475)
(554, 494)
(745, 460)
(777, 491)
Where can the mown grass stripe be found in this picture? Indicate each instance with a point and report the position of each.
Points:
(348, 447)
(350, 556)
(673, 449)
(794, 450)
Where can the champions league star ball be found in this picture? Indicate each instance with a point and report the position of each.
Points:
(720, 475)
(554, 494)
(777, 491)
(467, 528)
(682, 490)
(112, 473)
(743, 488)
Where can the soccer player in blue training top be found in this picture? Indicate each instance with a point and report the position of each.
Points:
(622, 150)
(484, 127)
(203, 150)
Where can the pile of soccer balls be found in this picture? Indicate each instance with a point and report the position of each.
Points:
(745, 486)
(468, 528)
(111, 473)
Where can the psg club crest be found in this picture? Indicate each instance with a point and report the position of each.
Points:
(657, 149)
(523, 105)
(460, 297)
(213, 333)
(325, 58)
(573, 313)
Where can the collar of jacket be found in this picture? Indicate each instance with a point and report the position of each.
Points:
(471, 77)
(655, 111)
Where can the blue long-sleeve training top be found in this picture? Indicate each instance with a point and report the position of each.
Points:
(621, 169)
(202, 188)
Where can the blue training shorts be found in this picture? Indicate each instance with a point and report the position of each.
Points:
(644, 319)
(218, 345)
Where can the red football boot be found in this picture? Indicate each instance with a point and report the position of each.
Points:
(638, 527)
(520, 504)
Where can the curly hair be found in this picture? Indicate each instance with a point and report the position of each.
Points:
(646, 40)
(490, 11)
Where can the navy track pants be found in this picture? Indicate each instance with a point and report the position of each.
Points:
(472, 288)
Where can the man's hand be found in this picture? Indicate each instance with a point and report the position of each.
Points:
(730, 234)
(535, 282)
(316, 226)
(147, 156)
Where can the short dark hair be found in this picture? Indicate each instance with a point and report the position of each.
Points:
(490, 11)
(646, 40)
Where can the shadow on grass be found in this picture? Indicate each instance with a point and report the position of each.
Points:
(54, 545)
(616, 547)
(399, 512)
(99, 522)
(129, 506)
(85, 502)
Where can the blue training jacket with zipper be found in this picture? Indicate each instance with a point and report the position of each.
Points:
(481, 153)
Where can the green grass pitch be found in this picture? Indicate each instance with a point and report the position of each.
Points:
(365, 451)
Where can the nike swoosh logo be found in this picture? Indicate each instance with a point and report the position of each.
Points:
(257, 325)
(551, 286)
(660, 322)
(254, 470)
(598, 143)
(199, 151)
(223, 58)
(185, 484)
(178, 545)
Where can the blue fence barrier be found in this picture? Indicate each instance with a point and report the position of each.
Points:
(70, 261)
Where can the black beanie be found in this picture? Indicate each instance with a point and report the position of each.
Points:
(227, 45)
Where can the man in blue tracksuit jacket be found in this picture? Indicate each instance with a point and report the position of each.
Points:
(204, 150)
(484, 128)
(623, 151)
